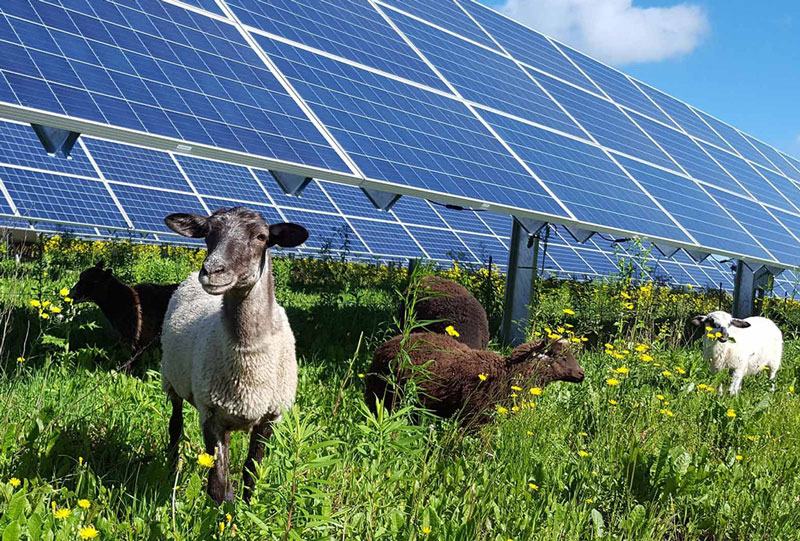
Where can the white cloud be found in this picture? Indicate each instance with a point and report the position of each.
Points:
(616, 31)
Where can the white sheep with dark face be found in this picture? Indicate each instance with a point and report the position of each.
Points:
(228, 347)
(741, 346)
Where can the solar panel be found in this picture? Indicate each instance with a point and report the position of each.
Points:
(444, 99)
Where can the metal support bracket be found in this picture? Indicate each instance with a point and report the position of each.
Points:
(580, 235)
(56, 139)
(666, 251)
(291, 184)
(382, 200)
(520, 279)
(697, 256)
(750, 283)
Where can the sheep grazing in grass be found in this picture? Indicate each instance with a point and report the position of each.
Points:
(741, 346)
(450, 304)
(228, 348)
(458, 380)
(135, 312)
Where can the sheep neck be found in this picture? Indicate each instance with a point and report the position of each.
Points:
(120, 308)
(249, 314)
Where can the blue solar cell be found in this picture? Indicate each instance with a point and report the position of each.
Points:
(604, 121)
(446, 14)
(222, 180)
(412, 210)
(386, 238)
(586, 180)
(312, 197)
(269, 212)
(500, 224)
(352, 202)
(735, 140)
(440, 244)
(761, 225)
(136, 165)
(527, 45)
(772, 155)
(22, 147)
(352, 29)
(61, 198)
(794, 172)
(157, 68)
(684, 116)
(486, 77)
(208, 5)
(618, 87)
(747, 176)
(147, 207)
(677, 273)
(326, 231)
(688, 154)
(700, 215)
(463, 220)
(403, 134)
(485, 247)
(565, 259)
(598, 261)
(717, 278)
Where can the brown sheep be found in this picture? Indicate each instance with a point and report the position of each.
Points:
(136, 313)
(450, 381)
(451, 304)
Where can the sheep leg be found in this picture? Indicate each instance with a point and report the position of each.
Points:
(772, 373)
(736, 382)
(218, 441)
(175, 429)
(258, 439)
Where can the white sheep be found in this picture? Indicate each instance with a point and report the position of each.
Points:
(744, 346)
(227, 345)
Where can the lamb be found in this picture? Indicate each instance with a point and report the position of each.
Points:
(449, 303)
(756, 342)
(136, 313)
(228, 347)
(452, 381)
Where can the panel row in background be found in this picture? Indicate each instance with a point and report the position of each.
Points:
(128, 190)
(580, 131)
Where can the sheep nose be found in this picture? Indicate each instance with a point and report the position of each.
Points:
(213, 267)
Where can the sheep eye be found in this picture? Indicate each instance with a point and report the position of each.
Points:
(262, 237)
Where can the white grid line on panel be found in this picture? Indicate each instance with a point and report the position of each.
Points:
(346, 220)
(190, 183)
(104, 180)
(266, 193)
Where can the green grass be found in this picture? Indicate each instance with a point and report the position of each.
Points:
(73, 428)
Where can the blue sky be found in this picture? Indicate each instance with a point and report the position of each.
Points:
(744, 67)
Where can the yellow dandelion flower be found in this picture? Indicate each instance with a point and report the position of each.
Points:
(626, 351)
(717, 334)
(660, 396)
(731, 413)
(666, 402)
(583, 453)
(88, 532)
(646, 358)
(84, 504)
(452, 331)
(666, 412)
(515, 408)
(515, 388)
(44, 315)
(482, 377)
(569, 325)
(561, 329)
(68, 299)
(513, 395)
(622, 370)
(791, 388)
(14, 482)
(80, 461)
(628, 305)
(205, 460)
(765, 368)
(739, 457)
(641, 348)
(35, 303)
(45, 304)
(20, 359)
(710, 335)
(709, 329)
(552, 336)
(680, 370)
(61, 514)
(584, 434)
(568, 312)
(613, 382)
(666, 373)
(533, 486)
(222, 527)
(618, 355)
(702, 386)
(55, 309)
(613, 402)
(426, 530)
(751, 437)
(536, 391)
(529, 433)
(502, 410)
(609, 346)
(360, 374)
(575, 340)
(589, 500)
(64, 292)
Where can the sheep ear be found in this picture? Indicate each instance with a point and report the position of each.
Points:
(287, 235)
(698, 320)
(742, 324)
(100, 265)
(188, 225)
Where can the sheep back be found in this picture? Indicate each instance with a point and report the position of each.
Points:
(451, 304)
(154, 301)
(450, 383)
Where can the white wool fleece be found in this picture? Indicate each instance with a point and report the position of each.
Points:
(203, 363)
(751, 348)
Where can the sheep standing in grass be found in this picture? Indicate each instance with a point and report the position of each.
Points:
(228, 348)
(136, 312)
(741, 346)
(456, 379)
(447, 303)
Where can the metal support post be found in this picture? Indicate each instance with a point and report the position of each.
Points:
(522, 273)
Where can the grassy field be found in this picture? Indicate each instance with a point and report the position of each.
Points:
(643, 449)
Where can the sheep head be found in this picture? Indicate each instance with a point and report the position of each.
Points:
(719, 322)
(238, 242)
(92, 283)
(545, 362)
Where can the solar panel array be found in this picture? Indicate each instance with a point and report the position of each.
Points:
(444, 99)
